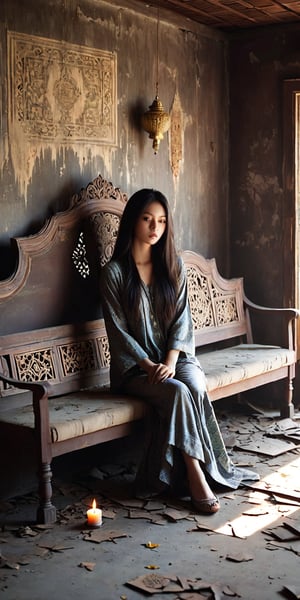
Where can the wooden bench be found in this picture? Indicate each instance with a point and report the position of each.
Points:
(54, 354)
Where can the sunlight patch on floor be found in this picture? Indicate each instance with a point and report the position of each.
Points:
(265, 511)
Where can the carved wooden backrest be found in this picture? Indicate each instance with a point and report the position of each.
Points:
(54, 330)
(69, 357)
(105, 205)
(56, 280)
(216, 303)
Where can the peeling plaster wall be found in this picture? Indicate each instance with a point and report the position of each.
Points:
(259, 63)
(38, 179)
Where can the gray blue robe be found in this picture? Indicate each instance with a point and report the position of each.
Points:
(183, 418)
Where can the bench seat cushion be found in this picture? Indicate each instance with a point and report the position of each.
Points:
(91, 410)
(80, 413)
(239, 363)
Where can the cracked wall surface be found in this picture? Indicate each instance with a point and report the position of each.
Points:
(77, 78)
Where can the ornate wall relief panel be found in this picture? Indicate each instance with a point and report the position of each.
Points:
(176, 135)
(61, 92)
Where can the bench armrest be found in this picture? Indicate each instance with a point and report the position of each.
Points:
(40, 391)
(289, 315)
(37, 388)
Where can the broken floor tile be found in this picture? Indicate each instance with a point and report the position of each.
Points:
(257, 498)
(89, 566)
(265, 445)
(14, 561)
(287, 530)
(227, 529)
(286, 426)
(102, 535)
(283, 546)
(187, 589)
(228, 591)
(293, 593)
(240, 557)
(159, 519)
(231, 530)
(293, 523)
(256, 512)
(55, 547)
(156, 583)
(27, 531)
(9, 563)
(274, 490)
(201, 526)
(176, 515)
(287, 501)
(281, 534)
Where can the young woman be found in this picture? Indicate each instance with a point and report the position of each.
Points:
(150, 333)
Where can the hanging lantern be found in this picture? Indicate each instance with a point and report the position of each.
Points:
(156, 121)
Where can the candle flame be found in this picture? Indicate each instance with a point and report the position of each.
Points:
(94, 504)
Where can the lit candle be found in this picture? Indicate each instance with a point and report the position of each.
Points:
(94, 516)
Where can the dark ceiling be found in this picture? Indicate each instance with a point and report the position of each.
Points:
(233, 15)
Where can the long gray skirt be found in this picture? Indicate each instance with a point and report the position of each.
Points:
(182, 419)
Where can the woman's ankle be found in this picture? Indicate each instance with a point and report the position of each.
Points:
(199, 488)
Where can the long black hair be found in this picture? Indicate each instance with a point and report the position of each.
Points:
(163, 255)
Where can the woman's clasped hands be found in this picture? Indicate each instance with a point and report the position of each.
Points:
(158, 372)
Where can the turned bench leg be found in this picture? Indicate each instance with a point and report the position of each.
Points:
(46, 512)
(287, 409)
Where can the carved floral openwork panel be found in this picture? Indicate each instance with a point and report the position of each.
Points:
(77, 356)
(60, 91)
(103, 346)
(35, 366)
(210, 306)
(106, 227)
(68, 359)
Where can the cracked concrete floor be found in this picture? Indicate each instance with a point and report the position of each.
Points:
(250, 549)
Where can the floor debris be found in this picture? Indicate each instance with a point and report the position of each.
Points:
(263, 444)
(98, 536)
(293, 594)
(283, 494)
(268, 509)
(89, 566)
(239, 557)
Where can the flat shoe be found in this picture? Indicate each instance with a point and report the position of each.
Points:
(208, 506)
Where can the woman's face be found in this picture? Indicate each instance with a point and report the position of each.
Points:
(151, 224)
